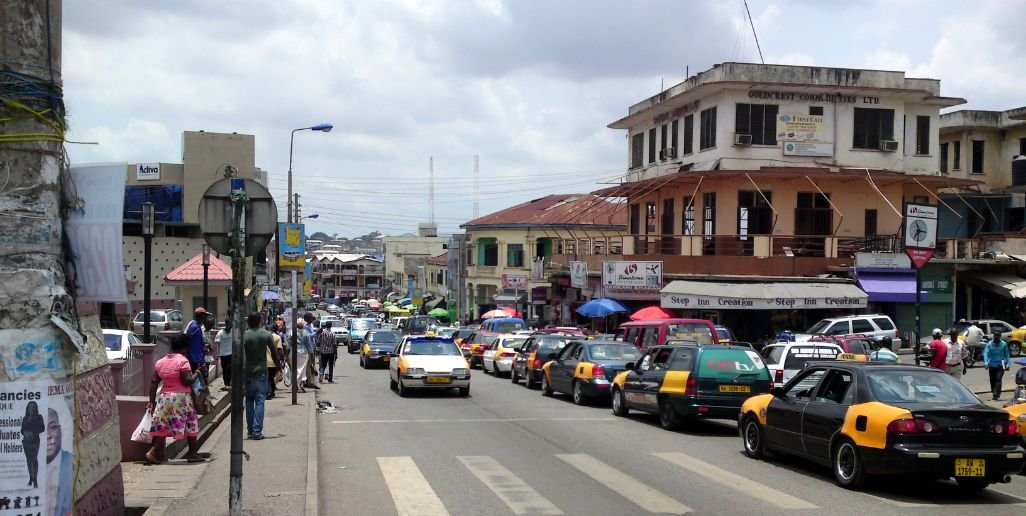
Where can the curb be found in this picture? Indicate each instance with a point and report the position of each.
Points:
(312, 507)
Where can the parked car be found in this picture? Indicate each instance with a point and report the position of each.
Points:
(499, 359)
(421, 362)
(654, 332)
(586, 368)
(787, 359)
(859, 345)
(119, 343)
(877, 326)
(160, 320)
(530, 357)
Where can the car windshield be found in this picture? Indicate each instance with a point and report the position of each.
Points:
(112, 342)
(773, 354)
(382, 337)
(801, 355)
(421, 325)
(615, 352)
(698, 332)
(432, 347)
(364, 324)
(513, 343)
(551, 344)
(447, 332)
(925, 386)
(508, 327)
(819, 327)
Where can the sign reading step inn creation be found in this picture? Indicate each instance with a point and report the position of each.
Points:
(632, 275)
(761, 296)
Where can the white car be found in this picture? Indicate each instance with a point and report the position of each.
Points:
(877, 326)
(499, 358)
(786, 359)
(118, 343)
(422, 362)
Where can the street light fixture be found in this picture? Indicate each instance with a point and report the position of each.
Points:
(311, 216)
(147, 232)
(206, 268)
(323, 127)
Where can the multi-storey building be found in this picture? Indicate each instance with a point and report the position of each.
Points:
(346, 276)
(778, 175)
(407, 254)
(510, 252)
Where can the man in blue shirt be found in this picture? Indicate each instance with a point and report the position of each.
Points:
(884, 354)
(195, 333)
(997, 360)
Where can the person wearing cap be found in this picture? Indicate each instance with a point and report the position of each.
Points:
(195, 333)
(954, 356)
(940, 351)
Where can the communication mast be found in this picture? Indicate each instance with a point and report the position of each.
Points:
(477, 195)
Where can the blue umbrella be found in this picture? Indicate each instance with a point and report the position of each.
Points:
(404, 301)
(601, 307)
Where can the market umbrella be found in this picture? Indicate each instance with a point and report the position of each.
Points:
(513, 312)
(404, 301)
(374, 303)
(651, 312)
(387, 303)
(495, 313)
(601, 307)
(393, 309)
(439, 312)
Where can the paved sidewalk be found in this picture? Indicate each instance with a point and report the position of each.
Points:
(274, 478)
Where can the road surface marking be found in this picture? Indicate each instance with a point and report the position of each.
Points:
(624, 485)
(899, 503)
(520, 498)
(735, 481)
(478, 420)
(411, 492)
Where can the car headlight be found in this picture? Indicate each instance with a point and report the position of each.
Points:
(460, 371)
(415, 370)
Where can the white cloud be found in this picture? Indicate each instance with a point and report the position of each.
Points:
(794, 58)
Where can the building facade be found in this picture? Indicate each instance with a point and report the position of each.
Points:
(346, 276)
(404, 254)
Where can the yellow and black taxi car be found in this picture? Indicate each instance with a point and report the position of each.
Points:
(376, 347)
(586, 368)
(871, 418)
(678, 381)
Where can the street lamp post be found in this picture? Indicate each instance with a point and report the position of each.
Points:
(147, 232)
(323, 127)
(206, 269)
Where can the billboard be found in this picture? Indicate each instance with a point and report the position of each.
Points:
(578, 274)
(801, 128)
(632, 275)
(514, 281)
(920, 232)
(291, 246)
(94, 232)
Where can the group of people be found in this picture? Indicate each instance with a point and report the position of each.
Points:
(950, 356)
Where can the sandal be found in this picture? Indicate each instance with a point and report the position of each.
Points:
(150, 461)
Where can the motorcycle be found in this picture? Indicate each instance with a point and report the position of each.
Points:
(973, 354)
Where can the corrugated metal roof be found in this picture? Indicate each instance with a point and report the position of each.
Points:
(192, 271)
(557, 210)
(442, 259)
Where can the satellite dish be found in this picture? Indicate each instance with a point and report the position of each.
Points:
(216, 221)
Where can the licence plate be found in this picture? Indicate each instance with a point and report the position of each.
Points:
(439, 379)
(385, 358)
(970, 467)
(735, 388)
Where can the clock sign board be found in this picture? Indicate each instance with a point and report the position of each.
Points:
(920, 232)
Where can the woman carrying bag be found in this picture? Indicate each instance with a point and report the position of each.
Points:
(174, 414)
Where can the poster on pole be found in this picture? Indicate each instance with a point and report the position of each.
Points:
(291, 247)
(920, 233)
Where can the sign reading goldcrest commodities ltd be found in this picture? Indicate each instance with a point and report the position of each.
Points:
(632, 275)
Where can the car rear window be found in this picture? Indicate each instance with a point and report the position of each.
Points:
(729, 363)
(690, 331)
(614, 352)
(772, 355)
(884, 323)
(924, 386)
(384, 337)
(551, 344)
(508, 327)
(112, 342)
(364, 324)
(798, 356)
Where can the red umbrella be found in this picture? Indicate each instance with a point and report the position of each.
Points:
(496, 313)
(651, 312)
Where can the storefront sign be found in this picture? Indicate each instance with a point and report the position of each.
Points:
(578, 274)
(920, 232)
(741, 303)
(801, 128)
(147, 172)
(94, 233)
(291, 246)
(514, 281)
(677, 113)
(882, 261)
(539, 294)
(632, 275)
(808, 149)
(812, 97)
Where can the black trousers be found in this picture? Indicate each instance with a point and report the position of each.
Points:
(271, 373)
(996, 373)
(328, 361)
(226, 370)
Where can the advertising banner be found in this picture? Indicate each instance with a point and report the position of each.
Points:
(94, 232)
(669, 300)
(291, 246)
(632, 275)
(146, 172)
(514, 281)
(802, 128)
(808, 149)
(578, 274)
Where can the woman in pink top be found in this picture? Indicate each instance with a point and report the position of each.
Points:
(174, 414)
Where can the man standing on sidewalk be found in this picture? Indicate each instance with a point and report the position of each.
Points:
(256, 342)
(272, 364)
(310, 345)
(195, 333)
(940, 351)
(327, 346)
(954, 358)
(224, 346)
(997, 360)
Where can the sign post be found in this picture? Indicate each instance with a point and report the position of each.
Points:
(920, 244)
(292, 257)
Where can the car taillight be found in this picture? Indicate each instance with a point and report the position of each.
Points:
(691, 387)
(778, 378)
(167, 326)
(537, 363)
(1006, 428)
(897, 334)
(912, 426)
(504, 355)
(598, 371)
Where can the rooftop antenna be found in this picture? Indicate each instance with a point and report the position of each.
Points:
(431, 189)
(752, 23)
(477, 179)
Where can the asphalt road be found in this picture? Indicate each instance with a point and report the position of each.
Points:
(508, 450)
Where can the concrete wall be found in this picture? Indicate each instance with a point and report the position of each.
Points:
(1000, 147)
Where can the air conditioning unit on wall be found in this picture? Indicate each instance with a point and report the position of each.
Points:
(742, 139)
(889, 145)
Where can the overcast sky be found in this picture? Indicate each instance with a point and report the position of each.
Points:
(529, 86)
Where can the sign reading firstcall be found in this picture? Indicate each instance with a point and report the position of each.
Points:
(778, 303)
(147, 172)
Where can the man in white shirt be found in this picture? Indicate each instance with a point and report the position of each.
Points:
(223, 339)
(954, 358)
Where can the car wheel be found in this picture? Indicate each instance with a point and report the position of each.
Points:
(847, 465)
(529, 380)
(619, 403)
(465, 391)
(971, 485)
(545, 387)
(403, 391)
(578, 394)
(668, 417)
(752, 436)
(513, 375)
(1015, 348)
(392, 384)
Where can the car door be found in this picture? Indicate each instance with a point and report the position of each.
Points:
(520, 359)
(825, 411)
(561, 373)
(633, 389)
(393, 363)
(784, 413)
(652, 381)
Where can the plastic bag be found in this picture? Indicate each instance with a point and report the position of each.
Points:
(142, 432)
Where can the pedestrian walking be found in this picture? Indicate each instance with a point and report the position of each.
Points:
(195, 333)
(302, 353)
(173, 412)
(224, 346)
(272, 365)
(997, 360)
(940, 351)
(954, 356)
(310, 346)
(327, 346)
(884, 354)
(256, 342)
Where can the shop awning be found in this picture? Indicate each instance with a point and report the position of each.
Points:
(1005, 284)
(890, 287)
(761, 296)
(511, 296)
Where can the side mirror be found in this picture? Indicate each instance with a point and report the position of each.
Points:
(629, 366)
(777, 392)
